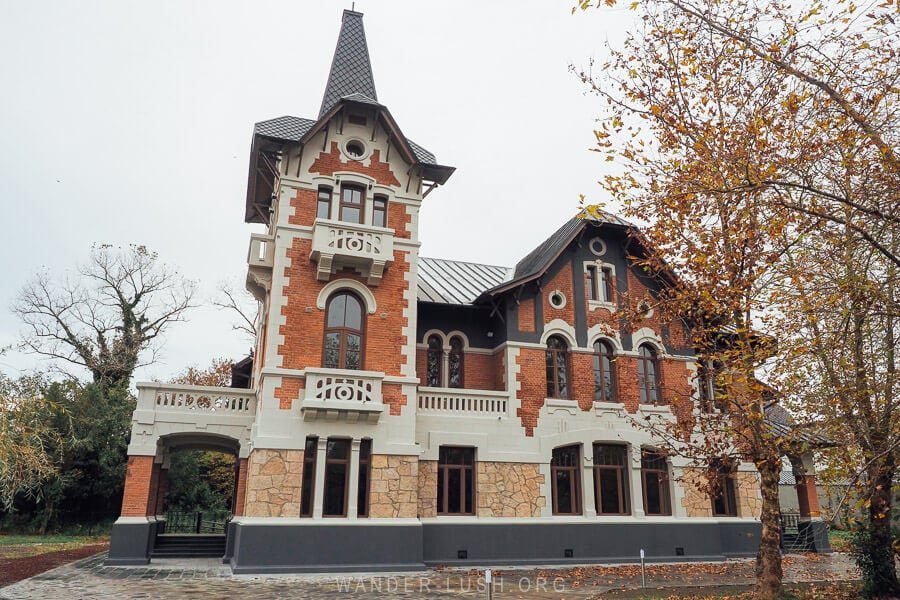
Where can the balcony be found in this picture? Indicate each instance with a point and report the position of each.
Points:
(333, 394)
(367, 249)
(452, 401)
(260, 260)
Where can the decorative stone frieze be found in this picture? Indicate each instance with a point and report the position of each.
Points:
(393, 492)
(507, 489)
(273, 483)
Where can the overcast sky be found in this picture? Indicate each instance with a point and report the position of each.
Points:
(130, 122)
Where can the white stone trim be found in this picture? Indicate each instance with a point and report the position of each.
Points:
(645, 335)
(598, 333)
(561, 328)
(351, 284)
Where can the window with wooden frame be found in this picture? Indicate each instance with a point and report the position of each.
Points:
(365, 475)
(323, 203)
(712, 395)
(456, 481)
(379, 211)
(434, 358)
(600, 283)
(655, 483)
(721, 481)
(557, 367)
(565, 477)
(611, 479)
(308, 479)
(604, 372)
(456, 363)
(648, 374)
(344, 332)
(352, 203)
(337, 477)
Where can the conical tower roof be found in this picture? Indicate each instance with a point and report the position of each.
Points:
(351, 69)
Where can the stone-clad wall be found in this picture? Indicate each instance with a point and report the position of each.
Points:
(697, 503)
(273, 483)
(508, 490)
(427, 488)
(393, 492)
(749, 502)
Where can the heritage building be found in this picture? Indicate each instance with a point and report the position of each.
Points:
(402, 411)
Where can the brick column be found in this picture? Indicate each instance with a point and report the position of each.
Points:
(154, 488)
(807, 496)
(240, 487)
(136, 499)
(162, 489)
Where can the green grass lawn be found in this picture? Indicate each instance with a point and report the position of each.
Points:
(839, 540)
(22, 546)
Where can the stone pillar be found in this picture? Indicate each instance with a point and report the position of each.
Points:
(240, 488)
(587, 489)
(319, 485)
(353, 484)
(136, 499)
(634, 481)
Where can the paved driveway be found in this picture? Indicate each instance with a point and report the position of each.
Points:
(208, 578)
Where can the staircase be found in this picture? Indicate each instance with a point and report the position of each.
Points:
(189, 546)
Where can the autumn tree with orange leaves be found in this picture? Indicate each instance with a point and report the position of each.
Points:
(741, 131)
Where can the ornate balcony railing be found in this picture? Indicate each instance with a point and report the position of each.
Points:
(462, 402)
(337, 245)
(159, 398)
(338, 393)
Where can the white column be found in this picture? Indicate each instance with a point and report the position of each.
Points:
(319, 485)
(587, 486)
(353, 487)
(634, 479)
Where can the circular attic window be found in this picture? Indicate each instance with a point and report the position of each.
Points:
(355, 149)
(557, 299)
(597, 246)
(645, 310)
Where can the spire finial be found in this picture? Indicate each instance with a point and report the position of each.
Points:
(351, 71)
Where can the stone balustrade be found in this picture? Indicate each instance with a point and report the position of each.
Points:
(337, 245)
(160, 397)
(462, 402)
(338, 393)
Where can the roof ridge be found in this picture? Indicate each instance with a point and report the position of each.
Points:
(465, 262)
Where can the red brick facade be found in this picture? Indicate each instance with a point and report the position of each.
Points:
(138, 481)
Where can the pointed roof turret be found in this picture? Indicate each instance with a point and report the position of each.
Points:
(351, 70)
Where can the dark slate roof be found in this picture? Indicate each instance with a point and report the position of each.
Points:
(421, 153)
(539, 260)
(456, 282)
(780, 422)
(351, 69)
(284, 128)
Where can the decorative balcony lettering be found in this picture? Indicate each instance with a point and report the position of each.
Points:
(349, 395)
(336, 245)
(176, 400)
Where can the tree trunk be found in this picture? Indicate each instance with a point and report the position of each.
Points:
(883, 573)
(768, 557)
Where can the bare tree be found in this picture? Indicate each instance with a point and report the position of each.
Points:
(242, 305)
(107, 318)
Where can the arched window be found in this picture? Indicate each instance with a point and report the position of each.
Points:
(604, 373)
(648, 374)
(557, 368)
(435, 355)
(455, 367)
(344, 332)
